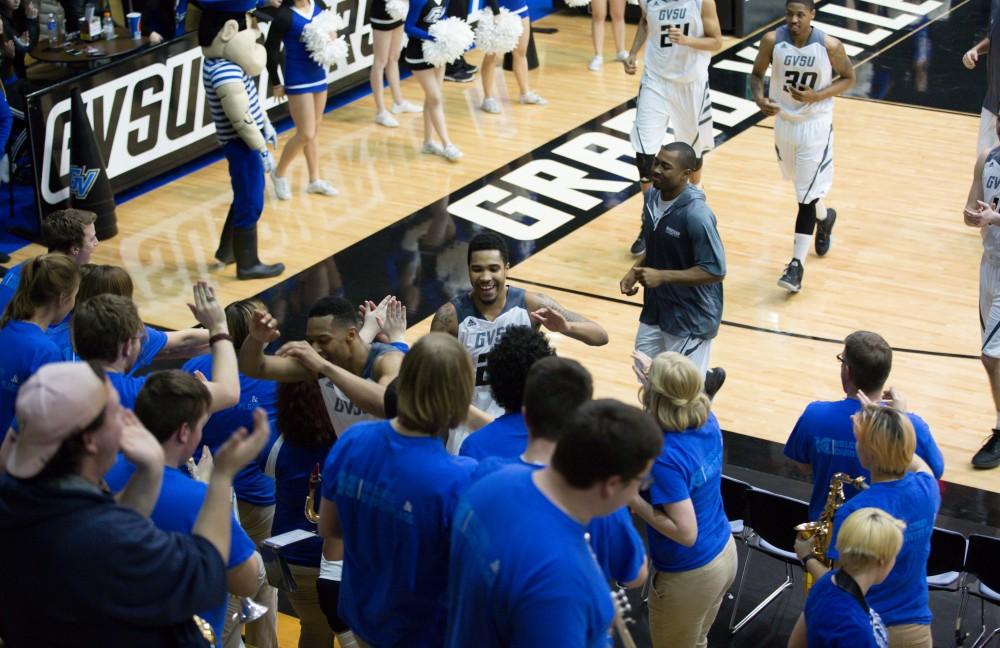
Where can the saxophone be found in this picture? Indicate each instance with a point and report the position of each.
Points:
(314, 481)
(823, 527)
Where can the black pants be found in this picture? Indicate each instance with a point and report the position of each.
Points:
(329, 596)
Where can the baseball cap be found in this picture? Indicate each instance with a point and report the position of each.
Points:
(60, 400)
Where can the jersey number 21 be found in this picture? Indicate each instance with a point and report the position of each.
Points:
(665, 34)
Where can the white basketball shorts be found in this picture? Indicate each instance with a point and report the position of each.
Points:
(805, 155)
(989, 305)
(653, 341)
(987, 132)
(685, 107)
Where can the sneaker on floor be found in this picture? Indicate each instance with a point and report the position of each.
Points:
(823, 229)
(385, 119)
(406, 107)
(638, 246)
(321, 187)
(596, 63)
(468, 67)
(451, 153)
(4, 257)
(791, 280)
(281, 187)
(491, 106)
(989, 455)
(532, 97)
(459, 76)
(622, 55)
(432, 148)
(714, 380)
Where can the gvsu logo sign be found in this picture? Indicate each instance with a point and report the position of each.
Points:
(82, 180)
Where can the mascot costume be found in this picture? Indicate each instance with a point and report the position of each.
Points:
(233, 57)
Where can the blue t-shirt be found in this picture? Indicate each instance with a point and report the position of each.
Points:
(506, 436)
(251, 484)
(128, 387)
(152, 344)
(61, 336)
(914, 499)
(177, 510)
(616, 544)
(690, 467)
(823, 437)
(8, 286)
(23, 350)
(396, 497)
(290, 467)
(522, 573)
(836, 619)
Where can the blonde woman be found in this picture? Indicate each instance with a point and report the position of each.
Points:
(903, 486)
(837, 614)
(693, 553)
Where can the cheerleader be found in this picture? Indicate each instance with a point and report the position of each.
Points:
(387, 35)
(599, 13)
(304, 83)
(519, 63)
(423, 14)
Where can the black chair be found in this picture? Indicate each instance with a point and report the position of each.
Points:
(736, 502)
(772, 522)
(981, 562)
(947, 560)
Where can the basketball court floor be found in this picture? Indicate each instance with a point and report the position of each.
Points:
(558, 181)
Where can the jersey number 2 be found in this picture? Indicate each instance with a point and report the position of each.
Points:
(665, 35)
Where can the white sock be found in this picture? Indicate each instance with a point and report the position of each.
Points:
(347, 640)
(802, 243)
(820, 210)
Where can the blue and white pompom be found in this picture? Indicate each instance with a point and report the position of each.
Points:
(452, 36)
(576, 3)
(498, 34)
(397, 9)
(321, 39)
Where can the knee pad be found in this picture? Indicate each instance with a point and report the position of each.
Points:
(805, 222)
(644, 162)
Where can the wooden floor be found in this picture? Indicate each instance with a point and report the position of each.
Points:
(902, 263)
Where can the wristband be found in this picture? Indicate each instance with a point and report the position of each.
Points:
(805, 559)
(219, 336)
(331, 569)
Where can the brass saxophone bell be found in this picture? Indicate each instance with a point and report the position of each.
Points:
(315, 479)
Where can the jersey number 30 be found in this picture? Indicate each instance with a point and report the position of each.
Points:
(665, 35)
(800, 80)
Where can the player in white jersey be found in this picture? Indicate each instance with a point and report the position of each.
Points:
(803, 61)
(680, 37)
(352, 374)
(981, 211)
(478, 318)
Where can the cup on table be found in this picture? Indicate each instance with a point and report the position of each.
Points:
(133, 24)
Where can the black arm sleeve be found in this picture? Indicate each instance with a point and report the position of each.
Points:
(281, 22)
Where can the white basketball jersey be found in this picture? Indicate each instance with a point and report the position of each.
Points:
(991, 195)
(478, 335)
(666, 60)
(341, 409)
(800, 67)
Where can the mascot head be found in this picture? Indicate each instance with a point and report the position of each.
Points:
(228, 30)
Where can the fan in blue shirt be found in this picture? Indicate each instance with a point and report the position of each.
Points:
(823, 438)
(837, 614)
(507, 366)
(174, 406)
(389, 494)
(521, 571)
(903, 487)
(43, 298)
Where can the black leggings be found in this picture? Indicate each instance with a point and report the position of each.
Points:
(329, 595)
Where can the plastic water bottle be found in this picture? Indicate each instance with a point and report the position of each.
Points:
(53, 29)
(109, 26)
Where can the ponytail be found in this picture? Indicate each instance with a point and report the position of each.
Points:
(44, 280)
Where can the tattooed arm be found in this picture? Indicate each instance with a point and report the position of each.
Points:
(445, 320)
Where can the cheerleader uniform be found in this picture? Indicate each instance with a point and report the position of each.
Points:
(380, 19)
(422, 14)
(302, 75)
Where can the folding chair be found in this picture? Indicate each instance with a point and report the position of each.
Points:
(981, 562)
(735, 500)
(772, 522)
(947, 560)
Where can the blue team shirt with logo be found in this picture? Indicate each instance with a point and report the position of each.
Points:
(823, 437)
(23, 350)
(835, 619)
(8, 286)
(396, 497)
